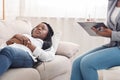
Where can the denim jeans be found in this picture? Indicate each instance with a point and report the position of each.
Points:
(11, 57)
(85, 66)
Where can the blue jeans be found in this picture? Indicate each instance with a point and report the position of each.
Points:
(85, 66)
(14, 58)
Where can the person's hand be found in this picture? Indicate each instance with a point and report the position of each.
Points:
(30, 46)
(12, 41)
(102, 31)
(9, 42)
(24, 40)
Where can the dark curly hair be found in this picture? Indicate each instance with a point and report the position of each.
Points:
(48, 40)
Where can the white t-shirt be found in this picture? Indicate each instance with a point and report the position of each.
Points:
(43, 55)
(114, 14)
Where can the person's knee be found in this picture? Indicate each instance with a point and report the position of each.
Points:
(76, 62)
(7, 51)
(86, 63)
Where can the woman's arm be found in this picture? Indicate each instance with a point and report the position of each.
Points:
(105, 32)
(23, 39)
(12, 41)
(18, 38)
(30, 46)
(115, 36)
(44, 55)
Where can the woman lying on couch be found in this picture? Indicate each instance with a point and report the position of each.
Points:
(23, 50)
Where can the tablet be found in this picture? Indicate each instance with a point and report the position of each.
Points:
(88, 25)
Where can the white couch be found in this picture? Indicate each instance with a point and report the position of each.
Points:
(110, 74)
(57, 69)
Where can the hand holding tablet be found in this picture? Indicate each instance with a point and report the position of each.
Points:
(87, 26)
(100, 26)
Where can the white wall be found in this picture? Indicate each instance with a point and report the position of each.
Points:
(66, 8)
(56, 8)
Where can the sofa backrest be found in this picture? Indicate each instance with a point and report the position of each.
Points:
(9, 28)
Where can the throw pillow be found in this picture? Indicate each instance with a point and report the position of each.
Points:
(5, 32)
(20, 26)
(67, 49)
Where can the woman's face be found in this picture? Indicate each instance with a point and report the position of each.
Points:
(40, 31)
(118, 3)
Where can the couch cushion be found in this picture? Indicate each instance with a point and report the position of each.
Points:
(56, 67)
(20, 26)
(110, 74)
(9, 28)
(67, 49)
(21, 74)
(5, 32)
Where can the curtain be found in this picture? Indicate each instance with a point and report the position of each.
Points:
(64, 8)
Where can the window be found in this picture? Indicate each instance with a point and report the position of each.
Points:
(2, 9)
(66, 8)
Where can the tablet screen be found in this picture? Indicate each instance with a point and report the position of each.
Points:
(88, 25)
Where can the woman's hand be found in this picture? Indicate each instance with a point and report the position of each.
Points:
(24, 40)
(9, 42)
(12, 41)
(105, 32)
(30, 46)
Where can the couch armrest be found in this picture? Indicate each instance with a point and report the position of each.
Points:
(67, 49)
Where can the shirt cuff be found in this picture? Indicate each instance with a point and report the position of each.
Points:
(37, 52)
(114, 36)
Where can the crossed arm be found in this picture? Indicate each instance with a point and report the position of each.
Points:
(21, 39)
